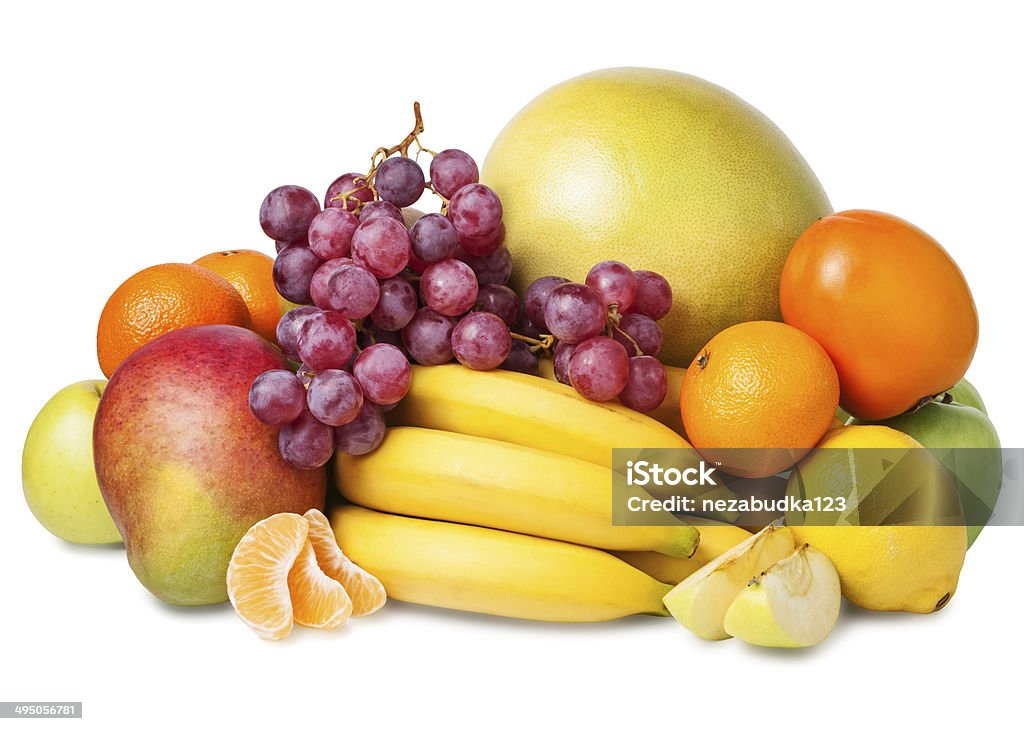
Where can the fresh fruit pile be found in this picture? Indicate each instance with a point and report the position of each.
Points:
(475, 484)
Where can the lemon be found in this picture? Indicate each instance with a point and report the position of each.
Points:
(889, 479)
(662, 171)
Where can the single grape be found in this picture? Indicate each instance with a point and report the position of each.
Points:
(560, 360)
(288, 328)
(646, 384)
(399, 180)
(293, 271)
(353, 291)
(334, 397)
(499, 300)
(377, 209)
(287, 211)
(382, 246)
(397, 304)
(494, 268)
(598, 368)
(330, 233)
(521, 360)
(644, 331)
(481, 341)
(537, 297)
(362, 435)
(326, 340)
(475, 210)
(428, 337)
(433, 238)
(277, 397)
(318, 285)
(449, 287)
(574, 312)
(483, 245)
(614, 281)
(452, 169)
(306, 443)
(353, 192)
(653, 295)
(384, 373)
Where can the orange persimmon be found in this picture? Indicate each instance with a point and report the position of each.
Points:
(889, 305)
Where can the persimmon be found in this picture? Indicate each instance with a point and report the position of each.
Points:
(889, 305)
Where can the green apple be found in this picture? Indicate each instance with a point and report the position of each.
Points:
(966, 443)
(57, 469)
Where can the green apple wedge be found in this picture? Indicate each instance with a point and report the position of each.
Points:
(793, 603)
(966, 443)
(701, 600)
(57, 471)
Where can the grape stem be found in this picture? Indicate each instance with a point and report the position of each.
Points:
(545, 343)
(614, 318)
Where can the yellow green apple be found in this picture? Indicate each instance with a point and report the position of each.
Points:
(57, 471)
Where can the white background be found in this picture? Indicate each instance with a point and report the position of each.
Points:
(141, 133)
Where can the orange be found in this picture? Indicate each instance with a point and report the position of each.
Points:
(364, 588)
(318, 601)
(258, 573)
(888, 304)
(159, 299)
(251, 273)
(758, 397)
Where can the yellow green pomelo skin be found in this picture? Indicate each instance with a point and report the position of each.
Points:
(662, 171)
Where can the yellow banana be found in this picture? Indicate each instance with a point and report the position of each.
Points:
(491, 571)
(526, 410)
(668, 413)
(715, 539)
(429, 473)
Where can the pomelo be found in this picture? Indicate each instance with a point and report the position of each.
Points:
(662, 171)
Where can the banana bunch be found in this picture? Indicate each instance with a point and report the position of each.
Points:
(492, 492)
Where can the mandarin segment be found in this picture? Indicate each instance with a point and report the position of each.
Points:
(318, 601)
(259, 570)
(366, 591)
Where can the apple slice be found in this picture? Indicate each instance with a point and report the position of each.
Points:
(794, 603)
(701, 600)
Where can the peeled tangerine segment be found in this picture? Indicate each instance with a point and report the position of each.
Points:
(794, 603)
(318, 601)
(700, 601)
(257, 575)
(364, 589)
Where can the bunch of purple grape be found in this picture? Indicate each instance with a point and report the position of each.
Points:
(379, 287)
(607, 331)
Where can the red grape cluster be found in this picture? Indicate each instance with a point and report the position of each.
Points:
(607, 331)
(379, 287)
